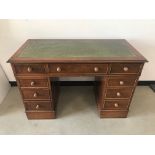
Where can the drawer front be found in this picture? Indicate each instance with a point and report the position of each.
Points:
(125, 68)
(33, 82)
(35, 94)
(115, 105)
(30, 69)
(119, 92)
(78, 68)
(121, 81)
(38, 106)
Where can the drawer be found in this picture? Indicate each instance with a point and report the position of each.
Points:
(30, 68)
(78, 68)
(115, 105)
(121, 81)
(35, 94)
(125, 68)
(119, 92)
(38, 106)
(33, 82)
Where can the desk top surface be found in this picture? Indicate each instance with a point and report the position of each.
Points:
(44, 50)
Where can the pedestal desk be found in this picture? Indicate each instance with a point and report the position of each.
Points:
(39, 63)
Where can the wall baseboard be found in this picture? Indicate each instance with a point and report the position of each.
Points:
(13, 83)
(89, 83)
(145, 83)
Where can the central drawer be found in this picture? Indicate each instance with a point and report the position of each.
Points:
(35, 94)
(78, 68)
(119, 93)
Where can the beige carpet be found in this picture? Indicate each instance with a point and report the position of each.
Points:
(77, 114)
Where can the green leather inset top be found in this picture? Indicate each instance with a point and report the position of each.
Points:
(76, 48)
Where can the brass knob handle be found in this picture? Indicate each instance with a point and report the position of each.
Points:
(96, 69)
(29, 69)
(118, 94)
(32, 83)
(116, 105)
(35, 95)
(58, 69)
(121, 82)
(125, 69)
(37, 106)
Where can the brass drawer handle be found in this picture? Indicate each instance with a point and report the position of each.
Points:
(58, 69)
(29, 69)
(35, 95)
(118, 94)
(37, 106)
(116, 105)
(96, 69)
(32, 83)
(121, 83)
(125, 69)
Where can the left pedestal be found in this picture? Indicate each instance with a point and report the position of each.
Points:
(37, 90)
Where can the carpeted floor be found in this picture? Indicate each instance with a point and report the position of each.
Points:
(77, 114)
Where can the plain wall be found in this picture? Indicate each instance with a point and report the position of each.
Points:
(4, 85)
(140, 33)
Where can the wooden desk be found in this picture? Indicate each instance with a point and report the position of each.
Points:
(114, 63)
